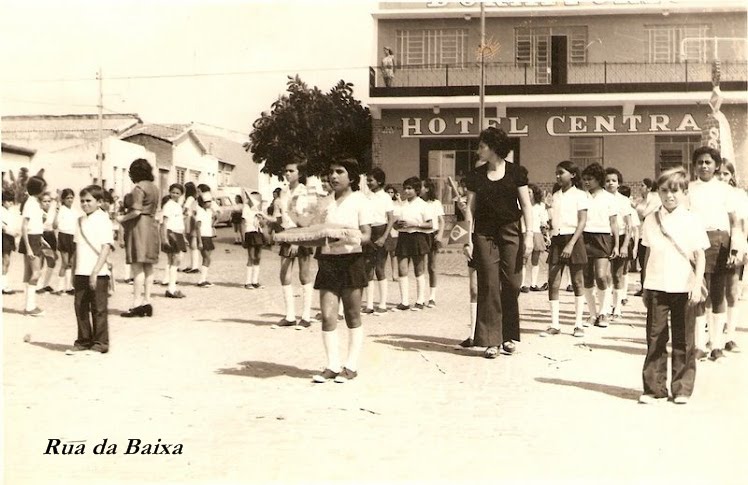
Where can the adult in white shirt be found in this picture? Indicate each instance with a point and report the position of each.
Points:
(173, 238)
(342, 271)
(428, 193)
(711, 200)
(382, 208)
(65, 222)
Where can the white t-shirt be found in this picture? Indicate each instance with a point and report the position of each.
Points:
(711, 202)
(48, 219)
(67, 219)
(624, 209)
(380, 203)
(565, 209)
(205, 218)
(415, 212)
(635, 221)
(352, 211)
(539, 217)
(667, 269)
(602, 205)
(172, 213)
(11, 220)
(285, 200)
(250, 219)
(34, 213)
(437, 210)
(98, 230)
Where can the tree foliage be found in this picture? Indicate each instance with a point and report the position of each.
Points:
(307, 125)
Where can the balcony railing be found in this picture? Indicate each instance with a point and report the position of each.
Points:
(525, 78)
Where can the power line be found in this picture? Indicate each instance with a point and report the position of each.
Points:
(50, 103)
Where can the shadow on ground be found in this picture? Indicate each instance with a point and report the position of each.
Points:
(418, 343)
(265, 370)
(52, 346)
(615, 391)
(618, 348)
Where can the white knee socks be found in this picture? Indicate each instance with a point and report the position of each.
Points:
(383, 287)
(473, 317)
(591, 305)
(524, 274)
(555, 322)
(203, 273)
(732, 318)
(256, 274)
(307, 292)
(172, 275)
(534, 272)
(578, 311)
(330, 341)
(716, 329)
(421, 289)
(700, 337)
(289, 302)
(432, 294)
(370, 296)
(248, 275)
(30, 297)
(195, 258)
(403, 283)
(355, 343)
(603, 299)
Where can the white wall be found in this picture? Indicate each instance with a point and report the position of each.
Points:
(189, 155)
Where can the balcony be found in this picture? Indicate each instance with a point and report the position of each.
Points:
(605, 77)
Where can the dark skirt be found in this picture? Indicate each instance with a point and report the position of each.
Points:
(253, 239)
(538, 242)
(412, 244)
(376, 233)
(558, 243)
(66, 243)
(207, 243)
(51, 239)
(718, 252)
(142, 244)
(35, 242)
(9, 243)
(285, 251)
(340, 271)
(236, 217)
(390, 244)
(175, 243)
(598, 245)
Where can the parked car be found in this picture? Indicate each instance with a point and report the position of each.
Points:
(223, 208)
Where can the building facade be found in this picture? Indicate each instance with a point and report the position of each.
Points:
(625, 84)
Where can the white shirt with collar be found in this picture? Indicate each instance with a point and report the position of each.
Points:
(352, 212)
(173, 214)
(67, 219)
(381, 204)
(415, 212)
(437, 210)
(32, 211)
(285, 200)
(667, 269)
(711, 202)
(250, 216)
(602, 205)
(98, 230)
(565, 209)
(205, 218)
(624, 209)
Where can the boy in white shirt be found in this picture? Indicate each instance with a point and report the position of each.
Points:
(93, 243)
(204, 220)
(675, 241)
(32, 227)
(172, 237)
(382, 209)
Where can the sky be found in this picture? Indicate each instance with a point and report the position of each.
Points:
(217, 62)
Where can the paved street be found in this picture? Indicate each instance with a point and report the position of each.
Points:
(210, 372)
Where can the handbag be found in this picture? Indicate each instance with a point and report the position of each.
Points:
(704, 290)
(109, 265)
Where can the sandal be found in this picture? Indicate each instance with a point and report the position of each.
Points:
(491, 353)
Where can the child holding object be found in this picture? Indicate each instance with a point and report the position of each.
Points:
(675, 240)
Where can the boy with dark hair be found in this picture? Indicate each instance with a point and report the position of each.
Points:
(94, 241)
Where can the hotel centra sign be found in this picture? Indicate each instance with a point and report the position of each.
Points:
(561, 125)
(547, 3)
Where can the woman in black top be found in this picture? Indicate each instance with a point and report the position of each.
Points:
(496, 191)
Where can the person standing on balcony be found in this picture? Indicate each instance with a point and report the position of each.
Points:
(498, 198)
(388, 67)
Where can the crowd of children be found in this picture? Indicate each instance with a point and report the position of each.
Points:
(690, 246)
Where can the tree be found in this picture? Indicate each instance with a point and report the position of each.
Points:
(307, 125)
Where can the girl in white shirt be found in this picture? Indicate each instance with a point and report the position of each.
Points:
(189, 209)
(173, 238)
(539, 228)
(32, 227)
(726, 174)
(613, 180)
(49, 243)
(428, 193)
(600, 241)
(204, 220)
(66, 222)
(711, 200)
(342, 272)
(10, 220)
(252, 220)
(568, 218)
(391, 243)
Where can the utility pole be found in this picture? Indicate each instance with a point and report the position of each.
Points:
(482, 92)
(100, 155)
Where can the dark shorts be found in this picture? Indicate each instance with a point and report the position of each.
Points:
(35, 242)
(598, 245)
(285, 251)
(66, 243)
(578, 253)
(175, 243)
(51, 239)
(412, 244)
(208, 243)
(390, 245)
(253, 239)
(337, 272)
(538, 242)
(9, 243)
(718, 252)
(236, 217)
(371, 249)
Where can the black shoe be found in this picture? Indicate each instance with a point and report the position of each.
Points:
(324, 376)
(701, 355)
(570, 288)
(8, 292)
(138, 311)
(731, 346)
(467, 343)
(287, 323)
(176, 294)
(544, 287)
(304, 323)
(508, 347)
(717, 355)
(639, 293)
(70, 292)
(524, 289)
(346, 375)
(46, 289)
(103, 349)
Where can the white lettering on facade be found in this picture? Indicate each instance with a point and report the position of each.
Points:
(514, 127)
(487, 121)
(578, 124)
(415, 126)
(550, 128)
(437, 126)
(607, 122)
(464, 125)
(658, 122)
(688, 124)
(633, 122)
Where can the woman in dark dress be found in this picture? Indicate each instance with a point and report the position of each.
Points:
(141, 236)
(496, 192)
